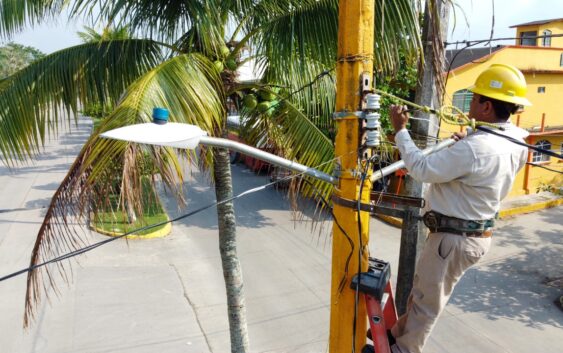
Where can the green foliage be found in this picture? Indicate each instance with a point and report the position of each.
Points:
(89, 35)
(115, 219)
(546, 187)
(60, 83)
(293, 41)
(401, 84)
(97, 110)
(14, 57)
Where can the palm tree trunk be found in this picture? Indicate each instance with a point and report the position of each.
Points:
(131, 215)
(228, 247)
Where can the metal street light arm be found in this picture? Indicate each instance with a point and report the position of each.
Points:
(267, 157)
(383, 172)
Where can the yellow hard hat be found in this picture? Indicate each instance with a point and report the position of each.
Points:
(502, 82)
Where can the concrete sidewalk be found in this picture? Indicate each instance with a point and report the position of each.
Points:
(529, 203)
(167, 295)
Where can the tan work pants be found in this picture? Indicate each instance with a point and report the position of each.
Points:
(443, 261)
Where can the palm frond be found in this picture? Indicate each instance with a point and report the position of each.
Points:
(18, 14)
(34, 98)
(293, 32)
(163, 20)
(189, 87)
(288, 132)
(397, 30)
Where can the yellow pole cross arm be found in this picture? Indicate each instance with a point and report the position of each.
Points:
(355, 60)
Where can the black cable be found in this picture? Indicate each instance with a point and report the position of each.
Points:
(310, 84)
(451, 63)
(511, 139)
(541, 166)
(327, 205)
(360, 253)
(472, 42)
(98, 244)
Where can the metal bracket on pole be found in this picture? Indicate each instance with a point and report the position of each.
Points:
(345, 114)
(397, 199)
(367, 87)
(353, 204)
(368, 207)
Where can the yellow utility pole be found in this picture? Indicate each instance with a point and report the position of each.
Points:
(354, 67)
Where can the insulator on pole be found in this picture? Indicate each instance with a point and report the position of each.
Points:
(373, 135)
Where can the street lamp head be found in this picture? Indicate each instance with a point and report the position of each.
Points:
(160, 132)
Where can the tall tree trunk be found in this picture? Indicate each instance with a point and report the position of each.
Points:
(131, 215)
(228, 247)
(429, 93)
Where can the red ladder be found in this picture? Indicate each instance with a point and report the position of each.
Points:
(376, 288)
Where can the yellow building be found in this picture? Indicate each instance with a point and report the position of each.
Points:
(540, 58)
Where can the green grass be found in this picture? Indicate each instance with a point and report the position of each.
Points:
(117, 221)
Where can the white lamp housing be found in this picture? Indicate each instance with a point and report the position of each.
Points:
(170, 134)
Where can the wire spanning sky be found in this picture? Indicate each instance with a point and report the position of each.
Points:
(475, 24)
(472, 19)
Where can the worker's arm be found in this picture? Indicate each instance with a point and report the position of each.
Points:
(442, 166)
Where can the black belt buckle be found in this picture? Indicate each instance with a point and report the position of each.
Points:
(432, 220)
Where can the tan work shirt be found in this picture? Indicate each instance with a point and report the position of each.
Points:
(469, 179)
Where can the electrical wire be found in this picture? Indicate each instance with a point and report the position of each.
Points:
(479, 41)
(310, 84)
(327, 205)
(189, 214)
(511, 139)
(360, 253)
(463, 119)
(100, 243)
(543, 167)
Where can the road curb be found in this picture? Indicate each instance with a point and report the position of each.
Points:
(161, 233)
(530, 208)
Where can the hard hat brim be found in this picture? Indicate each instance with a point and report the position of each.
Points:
(500, 96)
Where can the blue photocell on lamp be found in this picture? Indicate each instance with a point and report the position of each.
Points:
(160, 116)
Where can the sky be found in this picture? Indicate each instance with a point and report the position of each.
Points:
(473, 23)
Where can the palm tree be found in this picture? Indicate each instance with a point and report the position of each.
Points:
(179, 65)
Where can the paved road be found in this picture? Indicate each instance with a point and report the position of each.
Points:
(167, 295)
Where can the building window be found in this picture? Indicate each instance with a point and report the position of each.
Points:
(462, 99)
(546, 41)
(541, 89)
(528, 38)
(538, 157)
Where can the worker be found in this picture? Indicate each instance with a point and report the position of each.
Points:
(467, 183)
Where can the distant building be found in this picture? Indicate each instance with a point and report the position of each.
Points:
(540, 58)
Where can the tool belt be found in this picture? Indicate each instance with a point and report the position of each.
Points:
(438, 222)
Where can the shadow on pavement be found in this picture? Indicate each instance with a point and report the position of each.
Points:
(514, 286)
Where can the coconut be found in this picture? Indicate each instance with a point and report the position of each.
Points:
(267, 95)
(225, 51)
(231, 64)
(218, 65)
(263, 107)
(250, 101)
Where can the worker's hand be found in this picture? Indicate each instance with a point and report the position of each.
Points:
(459, 135)
(399, 117)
